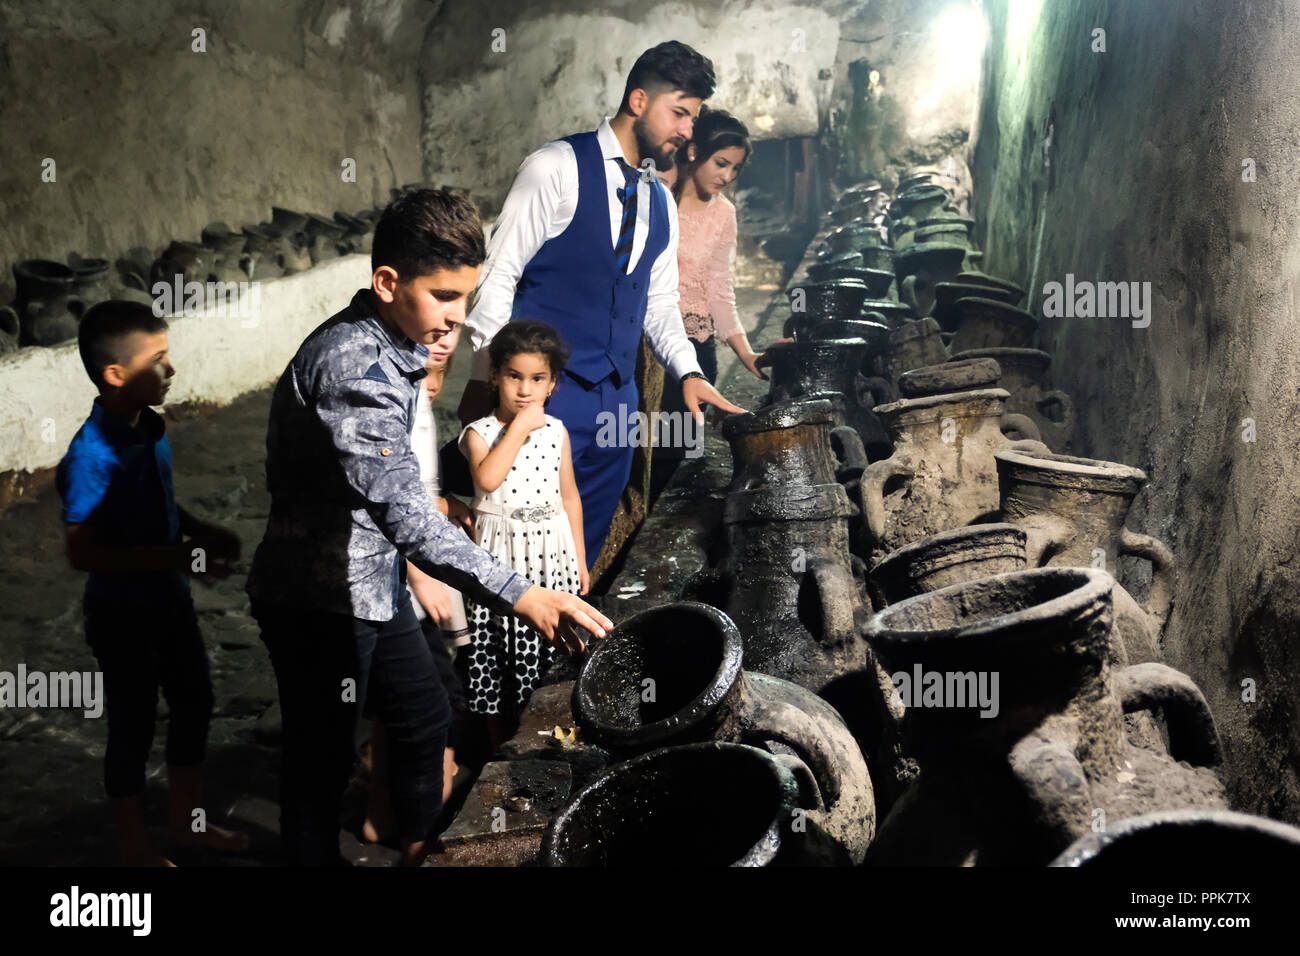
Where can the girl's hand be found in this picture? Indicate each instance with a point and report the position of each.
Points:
(749, 358)
(531, 418)
(584, 579)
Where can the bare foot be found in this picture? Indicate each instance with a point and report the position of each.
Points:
(213, 838)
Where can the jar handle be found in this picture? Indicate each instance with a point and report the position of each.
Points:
(873, 493)
(1193, 736)
(836, 590)
(1045, 535)
(1022, 425)
(1068, 418)
(850, 453)
(1162, 569)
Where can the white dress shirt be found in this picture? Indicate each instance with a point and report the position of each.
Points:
(540, 205)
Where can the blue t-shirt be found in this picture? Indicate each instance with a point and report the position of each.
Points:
(119, 480)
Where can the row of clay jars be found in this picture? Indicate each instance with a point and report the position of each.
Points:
(788, 576)
(824, 367)
(690, 656)
(977, 551)
(46, 308)
(1019, 774)
(788, 581)
(942, 473)
(1073, 511)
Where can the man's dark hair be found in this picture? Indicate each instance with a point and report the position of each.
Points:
(523, 336)
(424, 230)
(670, 66)
(101, 335)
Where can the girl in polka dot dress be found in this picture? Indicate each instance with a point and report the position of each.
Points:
(526, 511)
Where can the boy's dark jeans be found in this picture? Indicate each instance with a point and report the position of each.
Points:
(139, 650)
(314, 653)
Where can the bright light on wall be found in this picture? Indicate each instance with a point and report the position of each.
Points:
(957, 40)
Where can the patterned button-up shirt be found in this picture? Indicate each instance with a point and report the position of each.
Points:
(346, 497)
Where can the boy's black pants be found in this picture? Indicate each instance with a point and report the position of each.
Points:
(139, 650)
(325, 664)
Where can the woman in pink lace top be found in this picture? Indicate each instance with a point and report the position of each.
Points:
(706, 252)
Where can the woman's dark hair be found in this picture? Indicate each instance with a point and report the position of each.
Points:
(424, 230)
(714, 130)
(102, 332)
(670, 66)
(522, 336)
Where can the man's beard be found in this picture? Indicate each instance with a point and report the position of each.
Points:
(664, 156)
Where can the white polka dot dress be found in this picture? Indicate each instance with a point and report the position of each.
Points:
(507, 658)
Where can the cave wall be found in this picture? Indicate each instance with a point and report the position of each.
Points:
(1145, 181)
(920, 109)
(503, 78)
(152, 140)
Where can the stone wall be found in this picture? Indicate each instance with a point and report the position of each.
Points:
(1145, 184)
(152, 140)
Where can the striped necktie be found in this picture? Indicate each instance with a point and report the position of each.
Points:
(627, 196)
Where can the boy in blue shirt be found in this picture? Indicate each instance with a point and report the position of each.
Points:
(124, 527)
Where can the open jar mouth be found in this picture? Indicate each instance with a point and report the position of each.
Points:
(715, 804)
(992, 616)
(688, 651)
(1069, 471)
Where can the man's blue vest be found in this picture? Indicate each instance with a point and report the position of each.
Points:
(574, 284)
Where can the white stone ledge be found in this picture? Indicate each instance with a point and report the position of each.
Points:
(45, 394)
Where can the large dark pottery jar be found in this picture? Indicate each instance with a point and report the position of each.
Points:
(832, 299)
(263, 250)
(792, 443)
(1013, 293)
(191, 261)
(828, 268)
(878, 257)
(230, 262)
(866, 328)
(787, 581)
(849, 237)
(699, 805)
(324, 238)
(925, 201)
(1199, 840)
(672, 675)
(1024, 375)
(921, 267)
(46, 307)
(1022, 736)
(1074, 512)
(90, 281)
(989, 324)
(290, 226)
(894, 313)
(360, 234)
(914, 344)
(947, 558)
(834, 366)
(947, 293)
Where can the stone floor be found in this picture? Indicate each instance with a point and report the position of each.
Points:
(51, 761)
